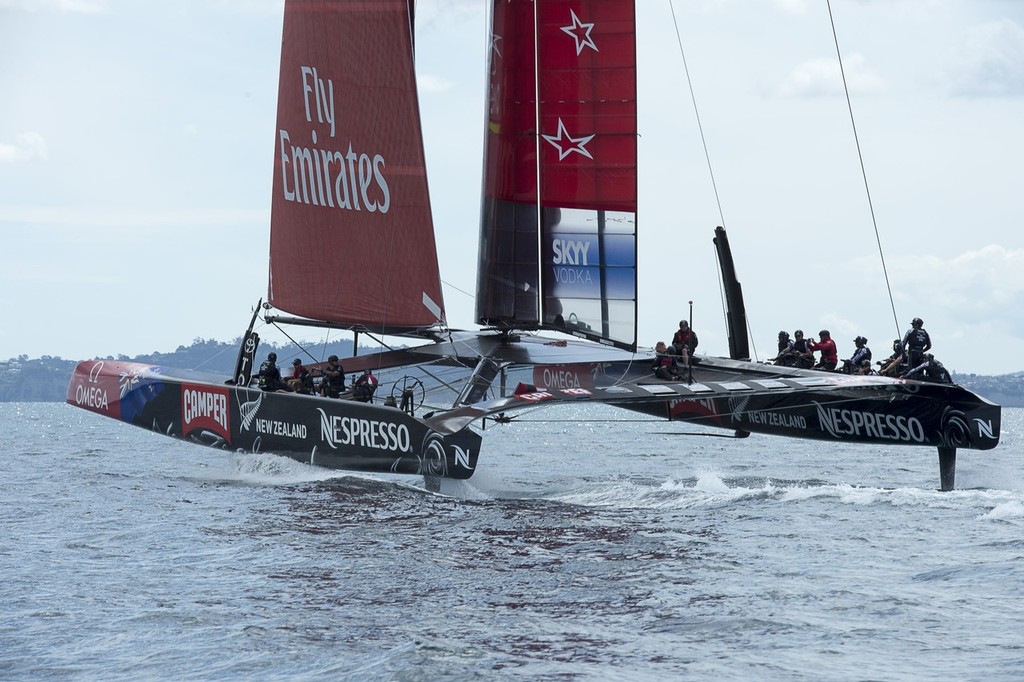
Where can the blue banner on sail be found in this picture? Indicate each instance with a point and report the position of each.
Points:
(592, 266)
(588, 273)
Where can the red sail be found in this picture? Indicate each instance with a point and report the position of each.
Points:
(351, 239)
(562, 118)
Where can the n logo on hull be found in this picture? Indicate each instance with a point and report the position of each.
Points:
(985, 428)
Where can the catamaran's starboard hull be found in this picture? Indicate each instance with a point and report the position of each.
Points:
(338, 434)
(750, 397)
(941, 416)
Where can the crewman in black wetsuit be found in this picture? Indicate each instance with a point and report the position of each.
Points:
(930, 370)
(917, 342)
(334, 378)
(269, 378)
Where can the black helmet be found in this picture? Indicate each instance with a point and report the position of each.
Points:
(824, 332)
(333, 358)
(860, 339)
(917, 322)
(799, 332)
(272, 357)
(783, 335)
(296, 361)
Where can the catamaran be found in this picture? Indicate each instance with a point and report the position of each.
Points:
(352, 247)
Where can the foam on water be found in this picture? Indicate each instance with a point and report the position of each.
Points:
(1005, 511)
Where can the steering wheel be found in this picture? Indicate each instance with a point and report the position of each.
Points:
(408, 393)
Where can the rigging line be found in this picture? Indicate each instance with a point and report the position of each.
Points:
(863, 172)
(299, 345)
(581, 421)
(327, 337)
(461, 291)
(700, 127)
(420, 367)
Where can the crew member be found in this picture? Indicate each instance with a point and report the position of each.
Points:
(827, 347)
(895, 364)
(860, 361)
(665, 365)
(786, 357)
(364, 387)
(333, 384)
(269, 378)
(802, 350)
(300, 380)
(930, 370)
(684, 341)
(917, 342)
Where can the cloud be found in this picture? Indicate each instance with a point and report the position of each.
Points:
(990, 62)
(983, 286)
(26, 147)
(822, 77)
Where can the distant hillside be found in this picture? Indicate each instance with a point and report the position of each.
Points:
(1006, 389)
(45, 379)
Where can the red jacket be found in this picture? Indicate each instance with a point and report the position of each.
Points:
(827, 348)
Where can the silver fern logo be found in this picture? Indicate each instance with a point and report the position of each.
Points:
(247, 410)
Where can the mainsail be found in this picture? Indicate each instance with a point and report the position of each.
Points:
(558, 224)
(351, 239)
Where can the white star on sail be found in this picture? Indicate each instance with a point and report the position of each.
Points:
(582, 39)
(566, 144)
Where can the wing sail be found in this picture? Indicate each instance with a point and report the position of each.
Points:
(558, 224)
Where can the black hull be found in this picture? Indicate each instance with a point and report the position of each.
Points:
(829, 406)
(338, 434)
(753, 398)
(922, 414)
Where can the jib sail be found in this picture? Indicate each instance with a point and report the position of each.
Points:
(558, 224)
(352, 240)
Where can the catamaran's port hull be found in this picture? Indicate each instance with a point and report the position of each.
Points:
(339, 434)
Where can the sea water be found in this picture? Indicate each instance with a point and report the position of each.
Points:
(585, 548)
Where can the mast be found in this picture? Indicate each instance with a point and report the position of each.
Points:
(735, 311)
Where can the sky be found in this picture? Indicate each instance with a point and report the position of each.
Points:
(136, 160)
